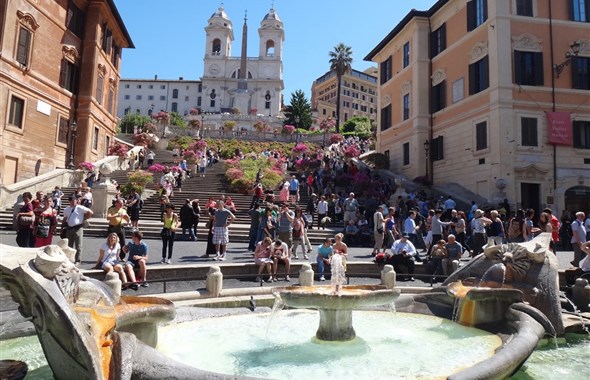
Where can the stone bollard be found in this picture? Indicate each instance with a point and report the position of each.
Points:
(445, 267)
(306, 275)
(581, 294)
(388, 277)
(214, 281)
(112, 281)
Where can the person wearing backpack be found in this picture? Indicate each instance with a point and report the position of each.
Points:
(133, 206)
(516, 231)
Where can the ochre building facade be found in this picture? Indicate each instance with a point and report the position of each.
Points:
(466, 90)
(59, 77)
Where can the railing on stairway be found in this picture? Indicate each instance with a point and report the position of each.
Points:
(247, 135)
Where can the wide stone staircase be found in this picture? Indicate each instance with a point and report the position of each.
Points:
(213, 184)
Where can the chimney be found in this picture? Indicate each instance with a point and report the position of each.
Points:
(180, 78)
(156, 77)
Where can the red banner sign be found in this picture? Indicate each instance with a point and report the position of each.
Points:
(559, 128)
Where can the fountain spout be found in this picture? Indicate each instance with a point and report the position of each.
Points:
(338, 274)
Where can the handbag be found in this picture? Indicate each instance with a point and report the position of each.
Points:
(25, 220)
(42, 230)
(165, 233)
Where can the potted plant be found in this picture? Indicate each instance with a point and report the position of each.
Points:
(87, 166)
(229, 125)
(288, 129)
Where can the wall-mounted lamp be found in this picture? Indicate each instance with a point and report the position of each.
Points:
(572, 52)
(73, 130)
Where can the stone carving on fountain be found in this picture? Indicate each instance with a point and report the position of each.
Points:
(514, 272)
(86, 330)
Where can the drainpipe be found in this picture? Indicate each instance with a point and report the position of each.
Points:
(552, 98)
(431, 117)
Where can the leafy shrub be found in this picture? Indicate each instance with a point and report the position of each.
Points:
(138, 180)
(241, 185)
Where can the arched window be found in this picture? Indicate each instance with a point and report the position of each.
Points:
(236, 74)
(216, 47)
(270, 48)
(175, 94)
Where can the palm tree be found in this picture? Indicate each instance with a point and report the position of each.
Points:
(340, 62)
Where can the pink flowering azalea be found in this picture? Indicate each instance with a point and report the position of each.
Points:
(86, 165)
(234, 173)
(300, 148)
(327, 124)
(352, 152)
(288, 129)
(175, 169)
(118, 149)
(157, 168)
(336, 138)
(198, 145)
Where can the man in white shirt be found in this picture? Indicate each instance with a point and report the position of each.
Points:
(410, 227)
(74, 217)
(403, 252)
(578, 237)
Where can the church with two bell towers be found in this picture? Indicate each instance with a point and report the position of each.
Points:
(250, 85)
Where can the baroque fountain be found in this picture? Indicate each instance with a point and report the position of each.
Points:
(507, 297)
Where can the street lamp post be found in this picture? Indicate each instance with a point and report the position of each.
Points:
(73, 128)
(202, 126)
(427, 150)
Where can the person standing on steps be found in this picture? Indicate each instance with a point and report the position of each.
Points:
(116, 215)
(73, 220)
(168, 233)
(221, 221)
(133, 208)
(150, 158)
(202, 165)
(187, 219)
(294, 189)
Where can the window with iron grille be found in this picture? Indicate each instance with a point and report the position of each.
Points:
(529, 134)
(481, 135)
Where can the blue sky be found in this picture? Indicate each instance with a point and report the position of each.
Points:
(169, 36)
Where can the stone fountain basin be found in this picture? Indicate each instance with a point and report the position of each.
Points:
(350, 297)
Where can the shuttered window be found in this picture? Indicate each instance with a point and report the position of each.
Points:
(23, 46)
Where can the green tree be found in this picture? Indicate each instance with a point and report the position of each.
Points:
(176, 119)
(298, 112)
(359, 125)
(131, 120)
(340, 62)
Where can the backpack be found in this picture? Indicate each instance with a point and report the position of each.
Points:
(140, 203)
(515, 228)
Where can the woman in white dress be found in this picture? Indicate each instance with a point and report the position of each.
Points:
(109, 259)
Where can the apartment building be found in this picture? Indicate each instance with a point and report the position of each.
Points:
(59, 76)
(358, 98)
(491, 95)
(144, 96)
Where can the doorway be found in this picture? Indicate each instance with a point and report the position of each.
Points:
(530, 197)
(577, 198)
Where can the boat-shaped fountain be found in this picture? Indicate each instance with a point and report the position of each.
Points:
(87, 331)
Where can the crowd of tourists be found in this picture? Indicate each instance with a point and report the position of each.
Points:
(400, 229)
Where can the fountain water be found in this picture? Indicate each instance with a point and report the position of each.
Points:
(336, 302)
